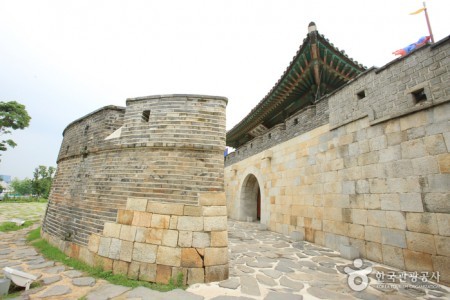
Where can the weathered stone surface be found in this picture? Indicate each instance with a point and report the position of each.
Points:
(94, 242)
(41, 265)
(55, 270)
(154, 236)
(214, 211)
(170, 238)
(133, 270)
(165, 208)
(160, 221)
(195, 275)
(420, 242)
(265, 280)
(144, 252)
(201, 239)
(191, 258)
(282, 296)
(216, 256)
(73, 274)
(215, 223)
(417, 261)
(169, 256)
(163, 273)
(125, 217)
(185, 238)
(147, 272)
(193, 210)
(142, 219)
(107, 291)
(128, 233)
(84, 281)
(126, 251)
(272, 273)
(219, 238)
(114, 248)
(57, 290)
(232, 283)
(50, 280)
(110, 230)
(296, 286)
(249, 286)
(179, 294)
(120, 267)
(137, 204)
(212, 199)
(216, 273)
(190, 223)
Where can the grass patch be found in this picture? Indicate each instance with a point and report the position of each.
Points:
(11, 226)
(53, 253)
(7, 199)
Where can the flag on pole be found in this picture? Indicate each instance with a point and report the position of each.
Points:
(408, 49)
(418, 11)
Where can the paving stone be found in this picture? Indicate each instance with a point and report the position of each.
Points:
(295, 285)
(246, 269)
(250, 286)
(231, 298)
(37, 261)
(284, 269)
(326, 294)
(326, 270)
(50, 280)
(179, 294)
(84, 281)
(272, 273)
(257, 264)
(232, 283)
(282, 296)
(106, 292)
(55, 270)
(365, 295)
(73, 274)
(308, 264)
(265, 280)
(57, 290)
(42, 265)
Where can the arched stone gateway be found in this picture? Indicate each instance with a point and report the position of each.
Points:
(250, 199)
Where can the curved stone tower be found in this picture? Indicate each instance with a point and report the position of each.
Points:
(139, 190)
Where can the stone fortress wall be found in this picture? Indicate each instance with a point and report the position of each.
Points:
(139, 190)
(370, 168)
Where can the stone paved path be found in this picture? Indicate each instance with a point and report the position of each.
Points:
(263, 265)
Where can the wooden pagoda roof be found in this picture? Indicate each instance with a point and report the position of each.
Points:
(317, 69)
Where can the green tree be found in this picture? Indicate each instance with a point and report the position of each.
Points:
(21, 187)
(42, 181)
(13, 116)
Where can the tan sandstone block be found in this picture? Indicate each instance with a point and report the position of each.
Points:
(417, 261)
(86, 256)
(112, 230)
(441, 264)
(169, 256)
(444, 163)
(373, 234)
(190, 258)
(216, 273)
(219, 238)
(103, 248)
(211, 199)
(128, 233)
(125, 216)
(147, 272)
(442, 245)
(104, 263)
(443, 224)
(195, 275)
(185, 238)
(154, 236)
(137, 204)
(214, 211)
(422, 222)
(165, 208)
(190, 223)
(395, 220)
(356, 231)
(393, 256)
(170, 238)
(215, 223)
(133, 270)
(126, 251)
(216, 256)
(374, 251)
(141, 234)
(94, 242)
(120, 267)
(142, 219)
(160, 221)
(193, 210)
(163, 274)
(144, 252)
(420, 242)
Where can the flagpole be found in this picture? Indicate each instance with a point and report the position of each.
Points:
(428, 22)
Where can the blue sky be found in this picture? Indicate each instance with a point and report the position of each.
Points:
(64, 59)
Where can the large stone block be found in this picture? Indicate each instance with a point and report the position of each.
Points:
(165, 208)
(128, 233)
(393, 237)
(154, 236)
(169, 256)
(142, 219)
(190, 223)
(114, 249)
(395, 220)
(442, 245)
(103, 249)
(195, 275)
(422, 222)
(147, 272)
(190, 258)
(417, 261)
(185, 238)
(212, 199)
(442, 265)
(219, 238)
(193, 210)
(393, 256)
(435, 144)
(137, 204)
(376, 218)
(373, 234)
(216, 273)
(94, 243)
(125, 217)
(160, 221)
(120, 267)
(170, 238)
(411, 202)
(437, 202)
(444, 163)
(214, 211)
(133, 270)
(163, 273)
(443, 224)
(126, 251)
(112, 230)
(144, 252)
(413, 149)
(215, 223)
(201, 239)
(216, 256)
(374, 252)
